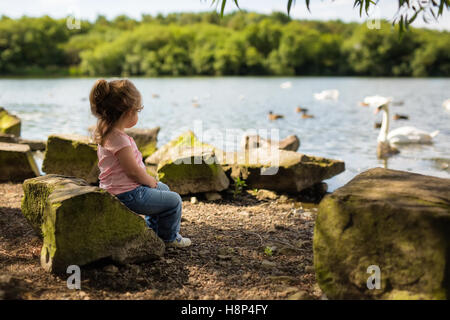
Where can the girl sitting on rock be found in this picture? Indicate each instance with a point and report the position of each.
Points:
(122, 172)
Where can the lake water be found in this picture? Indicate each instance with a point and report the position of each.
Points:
(341, 129)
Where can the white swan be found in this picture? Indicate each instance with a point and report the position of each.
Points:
(332, 94)
(403, 135)
(286, 85)
(376, 100)
(446, 104)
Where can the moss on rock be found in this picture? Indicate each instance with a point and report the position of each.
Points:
(396, 220)
(9, 123)
(184, 141)
(81, 224)
(278, 170)
(16, 162)
(71, 155)
(188, 173)
(145, 139)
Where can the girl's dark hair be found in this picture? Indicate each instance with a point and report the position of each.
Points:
(109, 100)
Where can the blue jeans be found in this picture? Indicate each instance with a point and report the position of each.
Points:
(161, 207)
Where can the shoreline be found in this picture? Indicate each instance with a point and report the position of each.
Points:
(229, 258)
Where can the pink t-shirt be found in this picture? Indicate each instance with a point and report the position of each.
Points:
(112, 177)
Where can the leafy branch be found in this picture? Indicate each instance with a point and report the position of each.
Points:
(408, 10)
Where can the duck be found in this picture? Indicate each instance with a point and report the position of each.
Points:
(446, 104)
(400, 117)
(332, 94)
(307, 116)
(273, 116)
(300, 109)
(155, 95)
(387, 141)
(196, 105)
(377, 125)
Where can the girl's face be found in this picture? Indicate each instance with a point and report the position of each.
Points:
(131, 119)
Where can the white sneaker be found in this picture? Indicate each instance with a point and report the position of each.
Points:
(179, 242)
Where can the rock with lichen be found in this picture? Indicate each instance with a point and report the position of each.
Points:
(145, 139)
(71, 155)
(189, 172)
(81, 224)
(178, 145)
(396, 221)
(9, 123)
(278, 170)
(35, 145)
(16, 162)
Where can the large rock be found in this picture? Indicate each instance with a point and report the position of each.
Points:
(16, 162)
(182, 142)
(290, 143)
(189, 172)
(35, 145)
(278, 170)
(9, 123)
(398, 221)
(71, 155)
(146, 139)
(81, 224)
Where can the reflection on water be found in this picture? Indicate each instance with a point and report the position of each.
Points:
(340, 129)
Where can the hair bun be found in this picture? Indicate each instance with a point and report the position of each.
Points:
(101, 90)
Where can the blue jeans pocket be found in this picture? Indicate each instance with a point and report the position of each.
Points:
(126, 197)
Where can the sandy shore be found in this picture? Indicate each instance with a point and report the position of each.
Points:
(243, 248)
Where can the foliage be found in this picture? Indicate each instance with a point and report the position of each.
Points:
(413, 8)
(240, 43)
(239, 185)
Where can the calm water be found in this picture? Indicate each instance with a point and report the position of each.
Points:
(341, 129)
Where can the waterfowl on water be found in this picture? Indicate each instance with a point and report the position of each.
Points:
(403, 135)
(300, 109)
(400, 117)
(155, 95)
(307, 116)
(273, 116)
(286, 85)
(446, 104)
(332, 94)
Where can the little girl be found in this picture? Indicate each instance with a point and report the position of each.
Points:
(122, 172)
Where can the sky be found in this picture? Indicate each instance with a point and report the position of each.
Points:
(89, 9)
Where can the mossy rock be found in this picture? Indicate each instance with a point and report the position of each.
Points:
(16, 162)
(82, 224)
(36, 192)
(278, 170)
(145, 139)
(184, 141)
(188, 173)
(71, 155)
(9, 123)
(35, 145)
(398, 221)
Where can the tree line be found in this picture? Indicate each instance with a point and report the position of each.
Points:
(240, 43)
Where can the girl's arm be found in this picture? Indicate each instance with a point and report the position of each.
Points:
(133, 170)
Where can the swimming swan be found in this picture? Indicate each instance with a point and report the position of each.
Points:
(403, 135)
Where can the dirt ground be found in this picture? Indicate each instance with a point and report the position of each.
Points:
(243, 248)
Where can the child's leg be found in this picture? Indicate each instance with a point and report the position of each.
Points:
(152, 221)
(163, 206)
